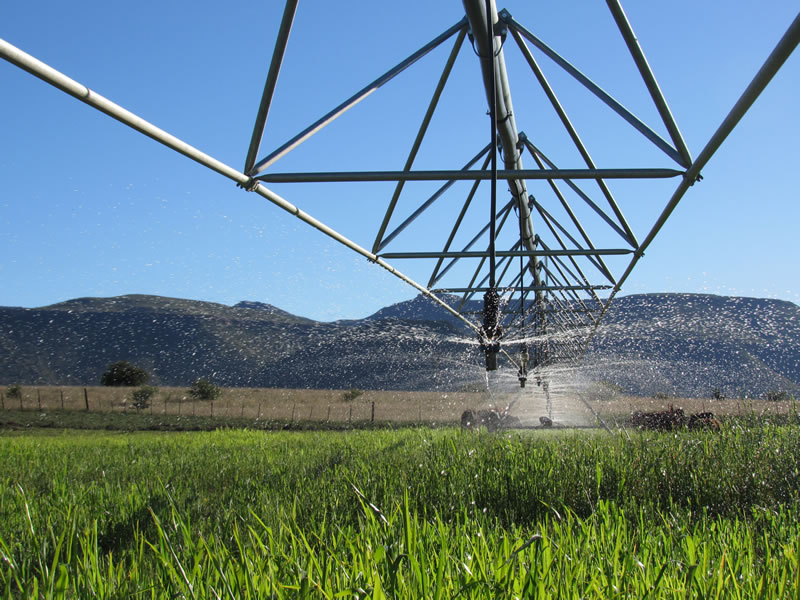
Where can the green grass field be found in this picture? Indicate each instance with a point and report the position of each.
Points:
(416, 513)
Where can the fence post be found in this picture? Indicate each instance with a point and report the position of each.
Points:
(372, 420)
(350, 416)
(39, 398)
(311, 413)
(259, 410)
(293, 407)
(62, 399)
(329, 414)
(212, 409)
(165, 403)
(2, 400)
(242, 415)
(86, 398)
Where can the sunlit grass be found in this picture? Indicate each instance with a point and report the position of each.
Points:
(406, 514)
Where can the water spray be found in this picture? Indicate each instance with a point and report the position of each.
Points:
(491, 331)
(523, 364)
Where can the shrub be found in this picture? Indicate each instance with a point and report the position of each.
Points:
(124, 374)
(141, 397)
(778, 396)
(203, 389)
(14, 392)
(351, 394)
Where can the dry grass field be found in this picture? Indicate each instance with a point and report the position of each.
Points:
(262, 403)
(356, 406)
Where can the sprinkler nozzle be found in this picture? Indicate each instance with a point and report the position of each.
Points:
(490, 349)
(491, 330)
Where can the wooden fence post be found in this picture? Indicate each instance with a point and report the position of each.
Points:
(372, 420)
(293, 407)
(212, 409)
(62, 399)
(329, 414)
(165, 403)
(2, 400)
(350, 416)
(39, 398)
(259, 409)
(242, 415)
(86, 398)
(311, 413)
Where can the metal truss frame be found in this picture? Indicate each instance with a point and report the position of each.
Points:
(553, 287)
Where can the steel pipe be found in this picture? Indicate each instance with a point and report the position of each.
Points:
(535, 288)
(784, 48)
(512, 175)
(269, 85)
(649, 79)
(261, 165)
(612, 103)
(50, 75)
(581, 252)
(423, 128)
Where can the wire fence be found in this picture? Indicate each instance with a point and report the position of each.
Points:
(337, 406)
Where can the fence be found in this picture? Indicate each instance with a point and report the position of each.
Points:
(255, 403)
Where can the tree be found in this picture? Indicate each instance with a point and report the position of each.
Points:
(124, 374)
(351, 394)
(203, 389)
(140, 398)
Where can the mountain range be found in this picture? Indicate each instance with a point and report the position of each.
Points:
(677, 344)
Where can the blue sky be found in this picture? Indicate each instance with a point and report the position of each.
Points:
(92, 208)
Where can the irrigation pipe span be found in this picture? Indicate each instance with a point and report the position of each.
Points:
(77, 90)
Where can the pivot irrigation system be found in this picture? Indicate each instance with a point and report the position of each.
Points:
(540, 291)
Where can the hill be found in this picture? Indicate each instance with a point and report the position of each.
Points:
(679, 344)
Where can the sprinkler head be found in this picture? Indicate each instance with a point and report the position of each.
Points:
(490, 349)
(491, 331)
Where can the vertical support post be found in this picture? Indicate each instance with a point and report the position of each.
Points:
(86, 398)
(62, 399)
(39, 398)
(372, 419)
(493, 149)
